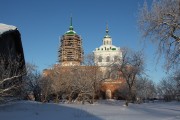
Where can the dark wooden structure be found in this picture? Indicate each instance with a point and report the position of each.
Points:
(12, 62)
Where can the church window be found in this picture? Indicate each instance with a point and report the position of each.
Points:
(107, 59)
(115, 58)
(100, 59)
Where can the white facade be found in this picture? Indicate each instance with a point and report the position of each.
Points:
(107, 53)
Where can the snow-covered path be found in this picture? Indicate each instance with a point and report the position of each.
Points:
(104, 110)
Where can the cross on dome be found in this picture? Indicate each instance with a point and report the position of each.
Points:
(71, 27)
(107, 32)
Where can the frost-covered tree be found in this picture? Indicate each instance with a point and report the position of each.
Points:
(31, 82)
(145, 88)
(177, 79)
(76, 83)
(131, 67)
(45, 84)
(168, 87)
(11, 74)
(160, 23)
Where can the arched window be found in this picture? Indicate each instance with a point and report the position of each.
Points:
(100, 59)
(107, 59)
(115, 58)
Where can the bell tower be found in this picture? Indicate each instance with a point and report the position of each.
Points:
(71, 51)
(107, 38)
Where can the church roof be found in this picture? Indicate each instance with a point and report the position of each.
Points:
(70, 32)
(4, 28)
(71, 29)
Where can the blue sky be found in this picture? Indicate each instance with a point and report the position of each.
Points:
(42, 22)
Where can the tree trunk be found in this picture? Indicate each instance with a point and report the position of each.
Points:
(130, 96)
(57, 98)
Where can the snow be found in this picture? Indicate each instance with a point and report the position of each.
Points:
(4, 28)
(102, 110)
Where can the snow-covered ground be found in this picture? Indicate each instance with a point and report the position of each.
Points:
(103, 110)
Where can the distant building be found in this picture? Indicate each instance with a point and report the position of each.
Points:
(71, 56)
(71, 51)
(107, 53)
(105, 56)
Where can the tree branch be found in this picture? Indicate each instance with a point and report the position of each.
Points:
(8, 79)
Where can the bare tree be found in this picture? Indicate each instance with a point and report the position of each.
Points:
(87, 82)
(167, 89)
(177, 79)
(145, 89)
(59, 77)
(82, 83)
(76, 83)
(95, 75)
(89, 60)
(161, 24)
(31, 82)
(11, 73)
(132, 66)
(45, 84)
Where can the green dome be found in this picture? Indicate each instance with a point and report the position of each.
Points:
(70, 32)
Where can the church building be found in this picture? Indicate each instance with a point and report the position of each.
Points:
(105, 56)
(70, 51)
(107, 53)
